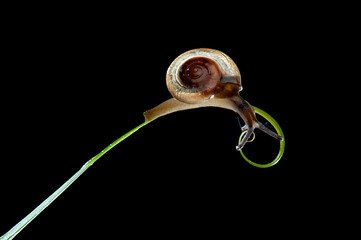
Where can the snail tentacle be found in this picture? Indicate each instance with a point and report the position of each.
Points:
(245, 139)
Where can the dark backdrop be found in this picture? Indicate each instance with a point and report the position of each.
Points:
(77, 82)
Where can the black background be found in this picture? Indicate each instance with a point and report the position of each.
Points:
(79, 80)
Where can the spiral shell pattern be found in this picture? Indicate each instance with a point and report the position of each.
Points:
(197, 75)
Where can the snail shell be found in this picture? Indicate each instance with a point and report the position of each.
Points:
(201, 74)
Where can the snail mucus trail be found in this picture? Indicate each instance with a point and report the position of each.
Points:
(207, 78)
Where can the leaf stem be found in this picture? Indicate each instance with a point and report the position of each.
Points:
(280, 133)
(25, 221)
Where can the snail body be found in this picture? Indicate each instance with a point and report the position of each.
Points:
(207, 78)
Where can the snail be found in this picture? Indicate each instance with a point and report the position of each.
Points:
(207, 78)
(197, 78)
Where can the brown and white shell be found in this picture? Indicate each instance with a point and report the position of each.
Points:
(200, 74)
